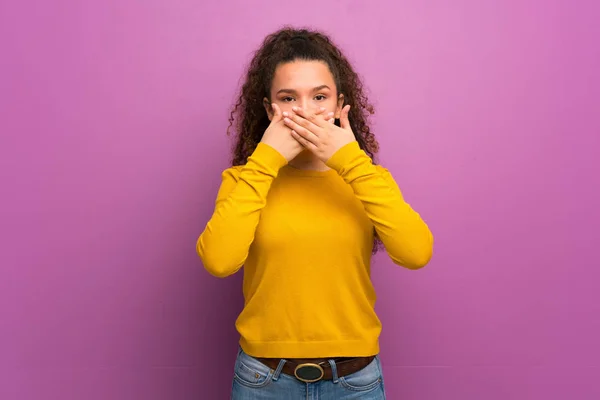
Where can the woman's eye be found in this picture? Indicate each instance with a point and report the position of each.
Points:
(287, 99)
(320, 97)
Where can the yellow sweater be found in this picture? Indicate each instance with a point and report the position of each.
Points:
(305, 239)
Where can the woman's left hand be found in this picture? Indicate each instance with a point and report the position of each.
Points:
(318, 135)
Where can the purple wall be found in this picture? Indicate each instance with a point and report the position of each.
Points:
(112, 121)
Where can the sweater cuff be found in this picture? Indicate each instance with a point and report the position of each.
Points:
(267, 156)
(344, 155)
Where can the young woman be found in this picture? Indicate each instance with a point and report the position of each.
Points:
(302, 209)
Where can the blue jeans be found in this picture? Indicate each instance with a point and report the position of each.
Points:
(252, 380)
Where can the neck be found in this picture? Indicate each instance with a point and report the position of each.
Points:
(308, 161)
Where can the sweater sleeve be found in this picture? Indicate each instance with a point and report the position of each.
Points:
(406, 237)
(224, 244)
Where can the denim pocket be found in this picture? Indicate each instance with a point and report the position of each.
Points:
(251, 372)
(367, 378)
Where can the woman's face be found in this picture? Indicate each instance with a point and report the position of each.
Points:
(305, 84)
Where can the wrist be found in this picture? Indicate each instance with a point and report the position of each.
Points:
(269, 156)
(343, 156)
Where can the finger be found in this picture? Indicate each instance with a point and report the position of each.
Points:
(277, 115)
(344, 121)
(303, 141)
(331, 120)
(299, 123)
(311, 117)
(327, 116)
(320, 111)
(300, 130)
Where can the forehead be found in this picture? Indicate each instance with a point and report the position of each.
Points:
(302, 75)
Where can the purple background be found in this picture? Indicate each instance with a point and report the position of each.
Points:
(113, 118)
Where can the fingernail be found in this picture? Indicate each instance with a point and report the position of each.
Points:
(295, 108)
(285, 114)
(331, 113)
(322, 108)
(287, 120)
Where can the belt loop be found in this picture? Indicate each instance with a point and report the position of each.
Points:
(334, 374)
(279, 368)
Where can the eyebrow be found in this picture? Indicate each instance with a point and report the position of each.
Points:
(314, 90)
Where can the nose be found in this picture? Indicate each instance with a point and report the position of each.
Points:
(304, 103)
(309, 105)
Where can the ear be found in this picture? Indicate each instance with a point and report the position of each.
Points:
(340, 105)
(268, 108)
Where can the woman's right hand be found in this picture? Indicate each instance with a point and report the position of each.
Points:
(279, 136)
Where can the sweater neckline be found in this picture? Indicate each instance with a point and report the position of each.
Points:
(289, 170)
